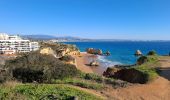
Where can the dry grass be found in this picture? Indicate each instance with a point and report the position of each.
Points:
(10, 84)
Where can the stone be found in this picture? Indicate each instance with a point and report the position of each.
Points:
(94, 63)
(107, 53)
(138, 53)
(99, 52)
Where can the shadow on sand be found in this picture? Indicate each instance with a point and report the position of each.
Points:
(164, 72)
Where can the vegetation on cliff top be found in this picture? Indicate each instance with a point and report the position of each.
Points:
(144, 70)
(149, 66)
(59, 46)
(41, 68)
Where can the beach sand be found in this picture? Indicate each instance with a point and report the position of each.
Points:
(82, 63)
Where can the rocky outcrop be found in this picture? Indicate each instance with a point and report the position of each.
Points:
(111, 71)
(94, 63)
(68, 59)
(138, 53)
(94, 51)
(47, 51)
(107, 53)
(142, 60)
(90, 50)
(130, 75)
(99, 52)
(74, 53)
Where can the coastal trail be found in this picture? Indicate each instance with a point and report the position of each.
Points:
(164, 69)
(158, 89)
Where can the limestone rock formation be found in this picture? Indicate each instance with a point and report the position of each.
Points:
(127, 74)
(47, 51)
(110, 71)
(99, 52)
(107, 53)
(94, 51)
(138, 53)
(94, 63)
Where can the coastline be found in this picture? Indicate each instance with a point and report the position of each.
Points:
(83, 60)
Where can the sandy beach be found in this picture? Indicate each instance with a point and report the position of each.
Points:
(82, 63)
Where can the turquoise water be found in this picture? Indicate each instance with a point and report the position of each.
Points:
(123, 52)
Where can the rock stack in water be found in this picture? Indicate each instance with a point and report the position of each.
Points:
(107, 53)
(94, 51)
(138, 53)
(99, 52)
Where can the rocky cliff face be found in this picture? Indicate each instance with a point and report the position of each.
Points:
(47, 51)
(58, 50)
(94, 51)
(130, 75)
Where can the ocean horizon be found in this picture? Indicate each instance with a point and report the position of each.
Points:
(122, 52)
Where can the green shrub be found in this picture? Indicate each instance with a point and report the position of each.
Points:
(142, 60)
(67, 58)
(146, 59)
(115, 83)
(4, 75)
(28, 75)
(149, 67)
(81, 83)
(149, 72)
(43, 67)
(152, 53)
(91, 76)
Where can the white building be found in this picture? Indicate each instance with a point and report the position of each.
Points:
(11, 44)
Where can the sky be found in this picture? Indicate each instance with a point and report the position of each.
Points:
(98, 19)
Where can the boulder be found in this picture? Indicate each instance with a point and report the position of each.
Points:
(90, 50)
(138, 53)
(107, 53)
(94, 51)
(47, 51)
(110, 71)
(94, 63)
(99, 52)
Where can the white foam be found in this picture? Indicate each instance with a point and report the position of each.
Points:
(107, 63)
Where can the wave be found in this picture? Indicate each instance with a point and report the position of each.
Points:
(107, 63)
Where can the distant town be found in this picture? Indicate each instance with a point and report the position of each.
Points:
(12, 44)
(51, 38)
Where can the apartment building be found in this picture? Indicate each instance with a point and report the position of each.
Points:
(11, 44)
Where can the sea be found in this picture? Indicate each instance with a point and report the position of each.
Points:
(122, 52)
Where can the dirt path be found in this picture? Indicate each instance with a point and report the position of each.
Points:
(165, 67)
(157, 90)
(96, 93)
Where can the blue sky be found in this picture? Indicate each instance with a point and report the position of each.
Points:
(107, 19)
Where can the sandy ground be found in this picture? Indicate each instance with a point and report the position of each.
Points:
(159, 89)
(82, 62)
(165, 67)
